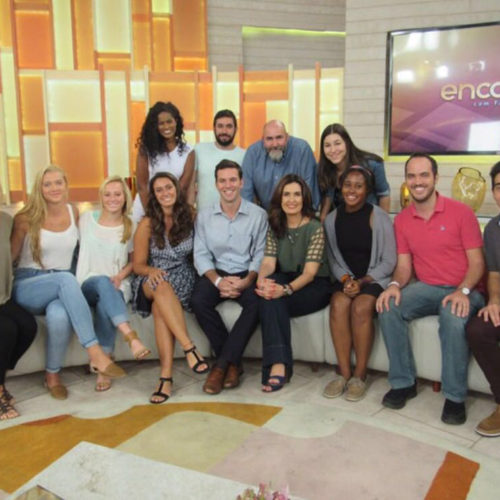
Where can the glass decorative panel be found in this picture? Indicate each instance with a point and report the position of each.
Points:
(117, 125)
(278, 110)
(112, 26)
(228, 96)
(36, 156)
(304, 110)
(63, 34)
(74, 100)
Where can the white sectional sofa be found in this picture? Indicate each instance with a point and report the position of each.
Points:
(311, 342)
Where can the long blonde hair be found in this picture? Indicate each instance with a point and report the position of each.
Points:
(35, 210)
(127, 206)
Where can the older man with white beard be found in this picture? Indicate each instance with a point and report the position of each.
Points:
(275, 155)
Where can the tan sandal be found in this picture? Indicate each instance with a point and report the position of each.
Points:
(142, 352)
(102, 385)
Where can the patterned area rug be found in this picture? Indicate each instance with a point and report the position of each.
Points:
(251, 443)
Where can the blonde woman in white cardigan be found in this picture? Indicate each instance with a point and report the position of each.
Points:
(104, 268)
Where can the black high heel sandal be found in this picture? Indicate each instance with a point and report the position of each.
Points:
(199, 361)
(160, 393)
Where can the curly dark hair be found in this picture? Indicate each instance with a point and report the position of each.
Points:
(277, 218)
(150, 142)
(182, 214)
(328, 171)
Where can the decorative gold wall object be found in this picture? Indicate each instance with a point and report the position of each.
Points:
(469, 187)
(404, 195)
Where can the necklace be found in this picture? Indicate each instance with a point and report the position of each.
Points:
(292, 235)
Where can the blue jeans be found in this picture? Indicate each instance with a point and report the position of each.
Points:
(417, 300)
(110, 309)
(58, 295)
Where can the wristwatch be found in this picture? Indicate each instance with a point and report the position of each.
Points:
(287, 290)
(465, 290)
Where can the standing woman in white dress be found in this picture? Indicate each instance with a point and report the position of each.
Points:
(162, 148)
(104, 268)
(43, 242)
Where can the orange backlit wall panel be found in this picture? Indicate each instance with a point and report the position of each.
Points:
(255, 117)
(162, 47)
(5, 29)
(113, 62)
(80, 154)
(141, 34)
(35, 47)
(180, 93)
(190, 51)
(83, 33)
(137, 117)
(206, 106)
(33, 120)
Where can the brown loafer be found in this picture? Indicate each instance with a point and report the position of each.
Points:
(215, 379)
(232, 378)
(58, 391)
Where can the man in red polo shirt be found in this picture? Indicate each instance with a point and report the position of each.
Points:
(439, 240)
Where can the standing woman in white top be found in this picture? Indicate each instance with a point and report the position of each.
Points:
(162, 148)
(43, 241)
(104, 267)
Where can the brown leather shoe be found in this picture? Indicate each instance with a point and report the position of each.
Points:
(215, 379)
(232, 378)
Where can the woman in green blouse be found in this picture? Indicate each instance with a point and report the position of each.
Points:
(293, 278)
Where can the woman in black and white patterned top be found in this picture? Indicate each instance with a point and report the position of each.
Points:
(163, 245)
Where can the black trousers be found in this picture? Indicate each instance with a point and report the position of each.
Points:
(275, 317)
(228, 346)
(17, 331)
(483, 340)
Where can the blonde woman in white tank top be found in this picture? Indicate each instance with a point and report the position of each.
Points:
(43, 241)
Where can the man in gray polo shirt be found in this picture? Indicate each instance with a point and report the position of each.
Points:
(228, 249)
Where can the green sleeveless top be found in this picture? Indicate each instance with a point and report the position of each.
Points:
(303, 244)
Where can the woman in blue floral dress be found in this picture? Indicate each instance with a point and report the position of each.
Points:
(163, 245)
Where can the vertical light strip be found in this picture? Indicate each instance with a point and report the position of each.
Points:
(104, 131)
(117, 123)
(9, 96)
(196, 78)
(146, 87)
(46, 116)
(214, 89)
(317, 101)
(4, 170)
(291, 120)
(63, 34)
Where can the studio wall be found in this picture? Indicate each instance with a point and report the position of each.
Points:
(367, 24)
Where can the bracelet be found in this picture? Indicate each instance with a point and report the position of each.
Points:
(394, 283)
(217, 281)
(345, 278)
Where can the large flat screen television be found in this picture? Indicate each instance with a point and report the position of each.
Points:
(443, 90)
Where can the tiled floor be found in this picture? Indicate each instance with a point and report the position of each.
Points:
(420, 419)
